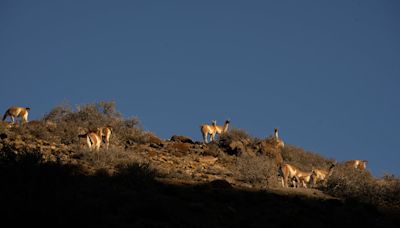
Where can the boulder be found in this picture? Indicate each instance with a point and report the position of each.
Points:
(182, 139)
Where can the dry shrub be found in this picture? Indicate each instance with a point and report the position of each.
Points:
(387, 192)
(108, 159)
(235, 134)
(259, 171)
(63, 124)
(128, 132)
(236, 142)
(89, 117)
(268, 148)
(135, 174)
(305, 160)
(354, 184)
(349, 182)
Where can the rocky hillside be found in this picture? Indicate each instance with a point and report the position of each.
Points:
(50, 177)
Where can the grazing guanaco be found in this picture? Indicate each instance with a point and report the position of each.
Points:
(213, 129)
(15, 112)
(321, 175)
(295, 174)
(93, 139)
(106, 133)
(280, 143)
(357, 164)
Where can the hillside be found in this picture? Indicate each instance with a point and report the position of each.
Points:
(50, 177)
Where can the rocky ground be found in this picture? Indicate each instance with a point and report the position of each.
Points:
(161, 183)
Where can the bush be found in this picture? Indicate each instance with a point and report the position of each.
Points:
(257, 170)
(305, 160)
(354, 184)
(236, 142)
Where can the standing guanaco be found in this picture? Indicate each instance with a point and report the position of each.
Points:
(213, 129)
(106, 133)
(15, 112)
(93, 139)
(293, 173)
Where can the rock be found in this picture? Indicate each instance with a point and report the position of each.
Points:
(152, 139)
(182, 139)
(237, 147)
(267, 148)
(208, 159)
(152, 153)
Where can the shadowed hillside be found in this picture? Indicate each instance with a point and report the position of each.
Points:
(49, 176)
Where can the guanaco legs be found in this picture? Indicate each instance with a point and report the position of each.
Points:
(106, 133)
(15, 112)
(295, 174)
(321, 175)
(357, 164)
(213, 129)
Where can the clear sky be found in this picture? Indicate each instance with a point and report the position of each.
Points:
(326, 73)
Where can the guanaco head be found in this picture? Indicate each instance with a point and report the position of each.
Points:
(227, 121)
(214, 122)
(27, 108)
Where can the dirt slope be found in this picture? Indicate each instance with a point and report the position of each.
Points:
(173, 183)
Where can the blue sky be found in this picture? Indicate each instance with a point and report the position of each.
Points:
(325, 72)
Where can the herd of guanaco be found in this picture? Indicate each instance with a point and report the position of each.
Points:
(288, 172)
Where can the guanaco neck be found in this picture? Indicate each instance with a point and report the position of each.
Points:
(331, 170)
(276, 135)
(226, 125)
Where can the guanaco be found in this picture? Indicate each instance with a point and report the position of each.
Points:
(208, 130)
(280, 143)
(93, 139)
(295, 174)
(15, 112)
(106, 133)
(321, 175)
(213, 129)
(357, 164)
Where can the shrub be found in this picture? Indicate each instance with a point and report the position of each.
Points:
(236, 142)
(305, 160)
(257, 170)
(350, 183)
